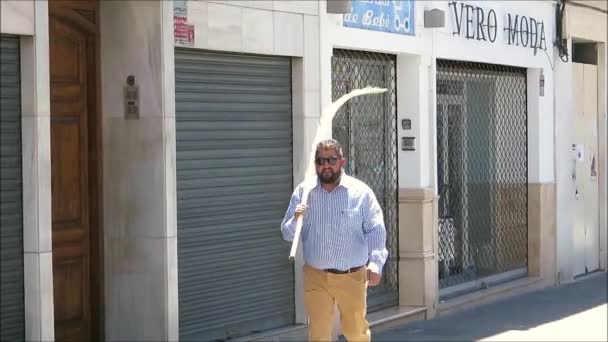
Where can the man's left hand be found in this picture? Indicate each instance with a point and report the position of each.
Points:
(373, 275)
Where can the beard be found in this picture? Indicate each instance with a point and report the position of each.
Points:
(330, 177)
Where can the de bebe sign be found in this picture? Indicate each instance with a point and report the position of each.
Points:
(474, 22)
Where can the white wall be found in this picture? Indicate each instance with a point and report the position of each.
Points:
(264, 27)
(17, 17)
(32, 24)
(139, 172)
(584, 22)
(564, 165)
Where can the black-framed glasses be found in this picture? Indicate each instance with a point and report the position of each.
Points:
(331, 160)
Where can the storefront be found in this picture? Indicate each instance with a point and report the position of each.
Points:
(471, 135)
(366, 128)
(373, 45)
(234, 178)
(493, 138)
(244, 97)
(482, 171)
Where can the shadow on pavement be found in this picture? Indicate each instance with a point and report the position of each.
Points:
(516, 313)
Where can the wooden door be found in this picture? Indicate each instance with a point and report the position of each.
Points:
(586, 223)
(590, 175)
(72, 42)
(578, 242)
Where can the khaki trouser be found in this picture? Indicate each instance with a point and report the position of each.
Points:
(322, 290)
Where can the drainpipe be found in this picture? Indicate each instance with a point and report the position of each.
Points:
(556, 274)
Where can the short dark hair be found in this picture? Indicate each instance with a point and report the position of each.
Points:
(329, 144)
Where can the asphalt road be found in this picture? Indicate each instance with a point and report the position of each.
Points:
(576, 311)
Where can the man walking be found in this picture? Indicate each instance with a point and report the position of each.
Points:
(343, 240)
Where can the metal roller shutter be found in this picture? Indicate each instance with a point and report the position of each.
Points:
(11, 212)
(234, 181)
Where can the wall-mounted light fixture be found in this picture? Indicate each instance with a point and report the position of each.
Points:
(434, 18)
(339, 6)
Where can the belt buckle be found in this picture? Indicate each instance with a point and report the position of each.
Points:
(353, 270)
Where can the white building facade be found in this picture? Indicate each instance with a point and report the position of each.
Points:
(134, 208)
(488, 68)
(149, 150)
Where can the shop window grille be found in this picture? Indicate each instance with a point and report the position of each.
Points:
(482, 169)
(366, 126)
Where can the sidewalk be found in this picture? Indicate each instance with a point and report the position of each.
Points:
(570, 312)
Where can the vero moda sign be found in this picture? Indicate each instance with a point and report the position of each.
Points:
(483, 24)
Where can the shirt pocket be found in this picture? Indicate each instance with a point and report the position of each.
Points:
(352, 221)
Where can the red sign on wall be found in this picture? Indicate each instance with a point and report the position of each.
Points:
(182, 32)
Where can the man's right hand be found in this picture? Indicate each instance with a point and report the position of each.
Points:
(300, 209)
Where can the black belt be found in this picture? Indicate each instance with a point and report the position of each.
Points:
(350, 270)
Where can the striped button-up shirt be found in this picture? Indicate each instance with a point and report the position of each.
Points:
(342, 229)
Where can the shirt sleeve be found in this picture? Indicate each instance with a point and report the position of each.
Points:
(375, 232)
(288, 226)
